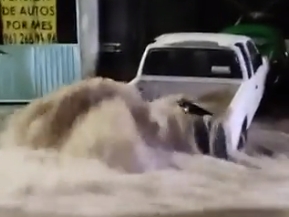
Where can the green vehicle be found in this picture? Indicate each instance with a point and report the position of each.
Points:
(260, 26)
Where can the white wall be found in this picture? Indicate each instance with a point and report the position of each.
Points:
(88, 35)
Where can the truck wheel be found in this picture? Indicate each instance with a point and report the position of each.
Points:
(219, 142)
(201, 134)
(243, 138)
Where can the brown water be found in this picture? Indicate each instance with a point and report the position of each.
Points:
(39, 182)
(44, 182)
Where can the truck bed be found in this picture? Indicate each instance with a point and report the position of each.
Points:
(214, 95)
(217, 101)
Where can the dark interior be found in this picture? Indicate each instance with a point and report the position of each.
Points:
(192, 62)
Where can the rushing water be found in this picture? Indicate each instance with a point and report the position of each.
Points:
(43, 181)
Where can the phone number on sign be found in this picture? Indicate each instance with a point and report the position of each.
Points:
(31, 38)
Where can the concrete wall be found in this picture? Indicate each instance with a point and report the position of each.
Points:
(287, 44)
(88, 35)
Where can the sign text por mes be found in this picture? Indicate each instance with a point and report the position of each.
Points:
(29, 22)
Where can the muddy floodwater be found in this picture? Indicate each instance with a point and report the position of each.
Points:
(39, 182)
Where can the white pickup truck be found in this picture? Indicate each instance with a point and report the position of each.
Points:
(224, 73)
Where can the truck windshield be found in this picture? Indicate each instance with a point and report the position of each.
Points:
(192, 62)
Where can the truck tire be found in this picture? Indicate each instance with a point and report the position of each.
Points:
(201, 134)
(219, 142)
(243, 137)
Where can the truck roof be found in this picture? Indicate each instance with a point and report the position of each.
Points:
(219, 39)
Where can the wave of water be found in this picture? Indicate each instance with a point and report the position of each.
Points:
(45, 182)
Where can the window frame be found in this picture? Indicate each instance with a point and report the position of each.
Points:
(253, 52)
(247, 58)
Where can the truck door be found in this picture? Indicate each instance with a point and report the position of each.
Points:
(258, 71)
(249, 83)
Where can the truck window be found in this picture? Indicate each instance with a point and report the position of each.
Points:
(253, 55)
(192, 62)
(246, 58)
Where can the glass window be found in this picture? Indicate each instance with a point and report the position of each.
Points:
(254, 55)
(246, 58)
(192, 62)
